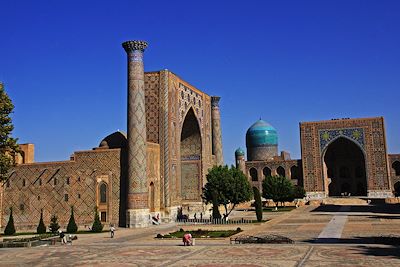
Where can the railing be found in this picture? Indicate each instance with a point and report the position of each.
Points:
(214, 221)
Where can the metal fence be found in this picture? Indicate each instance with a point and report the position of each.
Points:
(214, 221)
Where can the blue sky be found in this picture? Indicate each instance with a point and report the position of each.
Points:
(285, 61)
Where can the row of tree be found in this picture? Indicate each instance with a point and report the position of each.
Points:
(230, 187)
(72, 227)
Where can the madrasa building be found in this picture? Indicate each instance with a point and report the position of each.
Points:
(339, 157)
(173, 137)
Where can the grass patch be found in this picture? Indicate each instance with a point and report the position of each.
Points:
(280, 209)
(51, 234)
(201, 233)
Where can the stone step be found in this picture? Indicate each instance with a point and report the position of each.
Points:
(345, 201)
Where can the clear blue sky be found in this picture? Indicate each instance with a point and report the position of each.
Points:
(285, 61)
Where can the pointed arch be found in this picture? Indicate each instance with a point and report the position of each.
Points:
(191, 157)
(281, 171)
(267, 172)
(253, 174)
(345, 168)
(294, 172)
(396, 167)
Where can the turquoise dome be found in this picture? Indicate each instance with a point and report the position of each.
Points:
(239, 152)
(261, 133)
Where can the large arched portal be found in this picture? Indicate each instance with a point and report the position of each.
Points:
(190, 158)
(345, 172)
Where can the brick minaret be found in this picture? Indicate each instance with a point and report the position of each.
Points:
(216, 130)
(137, 206)
(240, 161)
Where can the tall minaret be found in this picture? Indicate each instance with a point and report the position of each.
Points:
(216, 130)
(137, 206)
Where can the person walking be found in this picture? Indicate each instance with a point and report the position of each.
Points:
(112, 230)
(62, 237)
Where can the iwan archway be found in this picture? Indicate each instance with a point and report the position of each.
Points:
(190, 158)
(344, 169)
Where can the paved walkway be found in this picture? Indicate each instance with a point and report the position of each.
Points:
(358, 245)
(333, 230)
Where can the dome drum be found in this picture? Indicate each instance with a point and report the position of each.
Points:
(262, 153)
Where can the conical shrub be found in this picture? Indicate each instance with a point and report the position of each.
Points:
(97, 227)
(72, 227)
(10, 228)
(41, 229)
(258, 204)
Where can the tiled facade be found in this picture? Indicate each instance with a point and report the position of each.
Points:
(76, 182)
(368, 134)
(382, 171)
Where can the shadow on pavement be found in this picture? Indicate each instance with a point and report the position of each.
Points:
(391, 244)
(382, 208)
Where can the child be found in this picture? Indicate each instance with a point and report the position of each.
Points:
(112, 229)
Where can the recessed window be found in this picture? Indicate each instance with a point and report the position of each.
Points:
(79, 195)
(103, 216)
(8, 183)
(55, 181)
(253, 174)
(66, 197)
(79, 179)
(103, 193)
(38, 197)
(21, 207)
(280, 171)
(40, 181)
(67, 180)
(23, 182)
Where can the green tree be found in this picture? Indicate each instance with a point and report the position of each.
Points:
(226, 186)
(299, 192)
(97, 227)
(72, 227)
(41, 229)
(54, 226)
(10, 228)
(258, 204)
(278, 188)
(8, 145)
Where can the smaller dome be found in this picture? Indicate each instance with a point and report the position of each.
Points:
(239, 152)
(104, 143)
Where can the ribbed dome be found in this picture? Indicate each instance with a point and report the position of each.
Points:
(261, 133)
(239, 152)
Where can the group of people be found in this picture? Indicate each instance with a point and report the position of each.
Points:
(65, 241)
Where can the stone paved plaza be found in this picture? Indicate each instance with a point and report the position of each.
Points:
(324, 236)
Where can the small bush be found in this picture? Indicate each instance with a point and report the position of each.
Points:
(159, 236)
(54, 226)
(181, 230)
(238, 229)
(10, 228)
